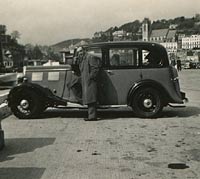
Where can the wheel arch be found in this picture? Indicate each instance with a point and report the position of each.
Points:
(144, 84)
(44, 93)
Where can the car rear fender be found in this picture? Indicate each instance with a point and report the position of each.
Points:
(148, 83)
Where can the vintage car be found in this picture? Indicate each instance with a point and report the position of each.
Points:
(135, 74)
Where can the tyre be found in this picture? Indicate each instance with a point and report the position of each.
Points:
(147, 103)
(26, 104)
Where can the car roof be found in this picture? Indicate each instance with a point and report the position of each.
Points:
(152, 46)
(126, 43)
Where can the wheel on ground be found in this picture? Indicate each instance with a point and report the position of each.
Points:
(26, 104)
(147, 103)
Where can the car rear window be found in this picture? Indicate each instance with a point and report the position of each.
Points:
(152, 59)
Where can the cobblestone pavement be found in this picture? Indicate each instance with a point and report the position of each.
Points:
(60, 145)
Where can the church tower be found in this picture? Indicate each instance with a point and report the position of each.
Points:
(146, 29)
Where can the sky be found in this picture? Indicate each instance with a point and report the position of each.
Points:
(47, 22)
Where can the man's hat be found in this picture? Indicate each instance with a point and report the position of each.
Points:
(79, 49)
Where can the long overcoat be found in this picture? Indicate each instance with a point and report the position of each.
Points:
(89, 68)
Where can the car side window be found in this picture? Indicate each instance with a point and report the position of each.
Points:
(124, 57)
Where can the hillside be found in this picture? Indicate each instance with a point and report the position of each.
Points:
(184, 25)
(187, 26)
(65, 44)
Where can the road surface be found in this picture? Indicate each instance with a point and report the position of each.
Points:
(60, 145)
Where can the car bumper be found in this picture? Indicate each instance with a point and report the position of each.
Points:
(183, 96)
(178, 105)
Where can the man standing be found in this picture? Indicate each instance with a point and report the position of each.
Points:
(89, 68)
(179, 65)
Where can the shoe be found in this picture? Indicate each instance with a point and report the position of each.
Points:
(92, 119)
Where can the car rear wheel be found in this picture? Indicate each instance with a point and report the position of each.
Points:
(147, 103)
(26, 104)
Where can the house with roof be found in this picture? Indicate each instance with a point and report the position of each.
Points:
(119, 35)
(7, 59)
(171, 43)
(158, 35)
(8, 63)
(98, 34)
(166, 37)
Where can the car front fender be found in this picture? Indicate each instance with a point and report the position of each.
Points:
(42, 92)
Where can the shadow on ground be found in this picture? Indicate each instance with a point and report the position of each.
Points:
(107, 114)
(82, 113)
(189, 111)
(22, 145)
(21, 173)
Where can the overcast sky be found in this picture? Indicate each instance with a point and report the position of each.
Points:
(50, 21)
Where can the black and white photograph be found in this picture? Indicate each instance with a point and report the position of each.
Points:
(100, 89)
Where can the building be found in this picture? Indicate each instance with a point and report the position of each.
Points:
(166, 37)
(7, 59)
(159, 35)
(103, 36)
(15, 58)
(173, 26)
(119, 35)
(98, 34)
(171, 41)
(146, 29)
(171, 47)
(191, 42)
(8, 63)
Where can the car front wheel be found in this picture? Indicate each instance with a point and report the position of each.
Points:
(26, 105)
(147, 103)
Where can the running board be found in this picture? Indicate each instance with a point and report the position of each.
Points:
(75, 105)
(177, 105)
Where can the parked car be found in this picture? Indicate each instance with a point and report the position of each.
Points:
(198, 65)
(135, 74)
(191, 65)
(186, 65)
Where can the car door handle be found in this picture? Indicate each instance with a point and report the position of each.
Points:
(110, 72)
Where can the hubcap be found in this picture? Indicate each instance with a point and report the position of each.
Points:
(147, 103)
(24, 104)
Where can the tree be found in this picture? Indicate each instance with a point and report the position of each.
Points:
(15, 35)
(187, 24)
(29, 50)
(160, 24)
(2, 29)
(131, 27)
(37, 54)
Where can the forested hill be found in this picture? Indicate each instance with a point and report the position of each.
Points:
(184, 25)
(67, 43)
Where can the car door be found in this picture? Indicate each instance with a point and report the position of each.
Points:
(119, 72)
